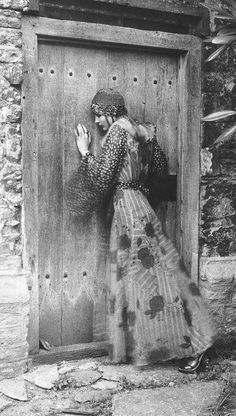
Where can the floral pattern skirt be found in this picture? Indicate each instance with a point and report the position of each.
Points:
(156, 312)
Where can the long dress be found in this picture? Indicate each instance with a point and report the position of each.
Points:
(155, 310)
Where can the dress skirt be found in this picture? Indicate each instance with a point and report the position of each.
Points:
(156, 312)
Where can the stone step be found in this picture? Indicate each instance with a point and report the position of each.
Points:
(186, 400)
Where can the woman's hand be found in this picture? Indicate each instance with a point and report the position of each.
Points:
(83, 139)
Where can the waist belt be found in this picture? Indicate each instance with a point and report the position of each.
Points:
(135, 185)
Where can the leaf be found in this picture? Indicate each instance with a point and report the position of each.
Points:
(227, 31)
(208, 40)
(216, 53)
(230, 25)
(219, 115)
(224, 17)
(225, 136)
(225, 12)
(218, 40)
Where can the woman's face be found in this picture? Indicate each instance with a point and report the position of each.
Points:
(104, 122)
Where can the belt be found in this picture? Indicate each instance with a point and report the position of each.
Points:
(135, 185)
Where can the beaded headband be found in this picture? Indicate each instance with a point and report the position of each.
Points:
(108, 102)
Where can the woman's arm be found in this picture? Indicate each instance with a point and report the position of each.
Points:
(95, 176)
(101, 170)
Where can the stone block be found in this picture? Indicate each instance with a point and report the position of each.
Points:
(14, 115)
(11, 178)
(13, 289)
(221, 293)
(10, 37)
(44, 376)
(218, 269)
(14, 199)
(218, 219)
(84, 377)
(5, 212)
(210, 166)
(14, 313)
(106, 385)
(229, 83)
(15, 389)
(10, 55)
(11, 95)
(14, 4)
(11, 235)
(14, 74)
(206, 162)
(13, 148)
(4, 84)
(218, 287)
(10, 18)
(186, 400)
(11, 129)
(5, 111)
(12, 369)
(13, 353)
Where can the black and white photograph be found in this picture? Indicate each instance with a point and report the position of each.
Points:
(118, 207)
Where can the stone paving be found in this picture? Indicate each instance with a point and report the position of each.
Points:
(190, 400)
(95, 387)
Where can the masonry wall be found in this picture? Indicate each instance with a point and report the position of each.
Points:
(218, 191)
(14, 295)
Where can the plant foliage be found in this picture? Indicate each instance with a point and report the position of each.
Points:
(224, 36)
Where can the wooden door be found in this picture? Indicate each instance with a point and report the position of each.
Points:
(70, 259)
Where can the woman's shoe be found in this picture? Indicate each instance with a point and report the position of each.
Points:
(192, 364)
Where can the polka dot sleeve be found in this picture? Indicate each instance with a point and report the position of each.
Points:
(102, 170)
(159, 162)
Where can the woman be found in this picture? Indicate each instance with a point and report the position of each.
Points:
(156, 312)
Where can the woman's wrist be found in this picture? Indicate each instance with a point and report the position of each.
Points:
(84, 153)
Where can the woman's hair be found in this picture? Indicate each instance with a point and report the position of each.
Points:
(108, 102)
(143, 131)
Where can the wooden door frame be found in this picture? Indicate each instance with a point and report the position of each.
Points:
(188, 48)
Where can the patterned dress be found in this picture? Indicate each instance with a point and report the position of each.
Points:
(155, 311)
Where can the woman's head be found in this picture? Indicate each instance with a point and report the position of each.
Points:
(107, 105)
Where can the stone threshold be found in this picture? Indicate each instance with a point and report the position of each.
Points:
(70, 353)
(97, 387)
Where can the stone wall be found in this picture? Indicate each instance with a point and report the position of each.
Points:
(13, 288)
(218, 191)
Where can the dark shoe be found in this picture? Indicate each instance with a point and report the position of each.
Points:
(192, 364)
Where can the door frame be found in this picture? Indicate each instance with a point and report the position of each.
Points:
(189, 50)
